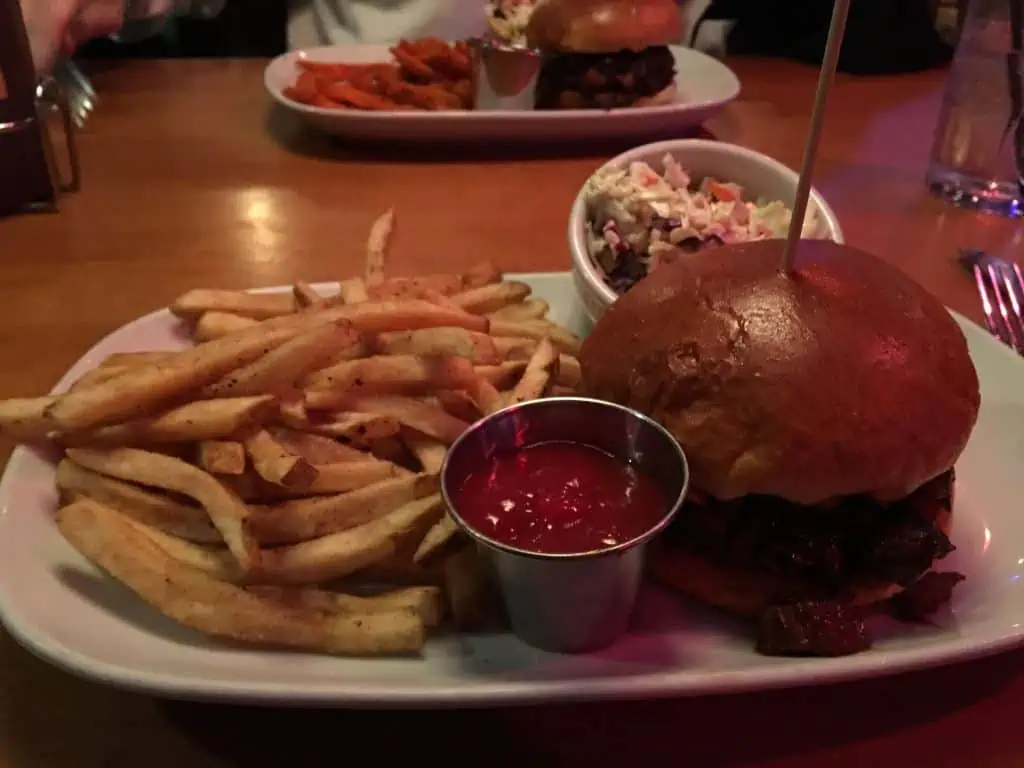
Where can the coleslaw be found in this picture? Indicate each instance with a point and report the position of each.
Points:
(641, 219)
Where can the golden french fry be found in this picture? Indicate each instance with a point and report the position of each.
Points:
(531, 309)
(487, 398)
(221, 457)
(350, 475)
(130, 394)
(454, 342)
(440, 535)
(541, 372)
(426, 418)
(316, 449)
(215, 562)
(414, 314)
(504, 375)
(152, 509)
(216, 608)
(514, 348)
(352, 291)
(360, 429)
(376, 317)
(258, 306)
(305, 295)
(415, 287)
(97, 375)
(538, 330)
(425, 602)
(201, 420)
(120, 359)
(338, 554)
(569, 373)
(444, 284)
(377, 245)
(429, 452)
(214, 325)
(276, 464)
(491, 297)
(227, 512)
(305, 519)
(281, 368)
(436, 297)
(27, 418)
(393, 374)
(480, 274)
(459, 404)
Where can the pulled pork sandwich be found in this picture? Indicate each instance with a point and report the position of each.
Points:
(603, 54)
(822, 413)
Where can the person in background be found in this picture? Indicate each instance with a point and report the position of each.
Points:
(341, 22)
(59, 27)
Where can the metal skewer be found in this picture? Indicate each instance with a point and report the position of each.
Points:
(825, 81)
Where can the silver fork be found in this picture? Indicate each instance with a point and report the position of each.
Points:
(1000, 287)
(77, 88)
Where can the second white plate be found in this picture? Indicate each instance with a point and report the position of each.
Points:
(63, 609)
(705, 85)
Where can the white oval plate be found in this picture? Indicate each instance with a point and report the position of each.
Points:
(64, 610)
(704, 85)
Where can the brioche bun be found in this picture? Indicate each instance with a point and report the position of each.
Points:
(844, 377)
(603, 26)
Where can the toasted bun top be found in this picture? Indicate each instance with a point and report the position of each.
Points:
(603, 26)
(845, 377)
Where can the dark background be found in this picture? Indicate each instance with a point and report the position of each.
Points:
(244, 28)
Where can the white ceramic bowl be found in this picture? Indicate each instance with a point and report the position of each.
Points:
(759, 175)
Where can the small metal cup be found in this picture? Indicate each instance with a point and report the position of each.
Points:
(504, 76)
(569, 603)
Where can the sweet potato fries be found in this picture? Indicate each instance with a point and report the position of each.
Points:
(426, 74)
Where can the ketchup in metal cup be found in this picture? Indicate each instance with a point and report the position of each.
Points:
(559, 498)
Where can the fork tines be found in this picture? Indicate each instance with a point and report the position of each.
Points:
(1001, 289)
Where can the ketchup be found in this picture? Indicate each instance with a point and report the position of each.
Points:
(560, 498)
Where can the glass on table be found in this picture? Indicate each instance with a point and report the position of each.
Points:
(977, 159)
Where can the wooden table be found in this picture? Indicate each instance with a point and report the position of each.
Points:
(191, 181)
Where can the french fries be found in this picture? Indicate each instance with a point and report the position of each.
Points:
(305, 295)
(339, 554)
(227, 512)
(213, 325)
(278, 370)
(221, 457)
(428, 451)
(394, 374)
(454, 342)
(200, 420)
(491, 297)
(256, 306)
(539, 376)
(299, 442)
(218, 608)
(376, 247)
(276, 464)
(307, 519)
(429, 419)
(155, 510)
(27, 418)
